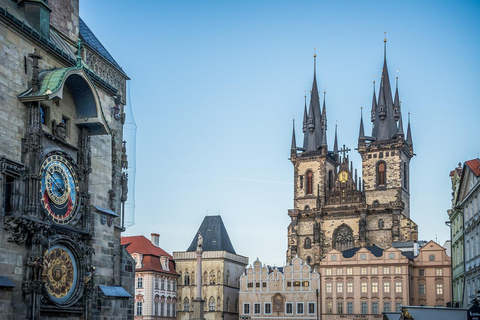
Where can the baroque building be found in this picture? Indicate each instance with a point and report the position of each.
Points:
(288, 292)
(155, 278)
(455, 216)
(468, 203)
(63, 164)
(220, 281)
(333, 207)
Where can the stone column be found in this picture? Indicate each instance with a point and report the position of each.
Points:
(198, 302)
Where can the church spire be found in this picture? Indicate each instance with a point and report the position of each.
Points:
(305, 118)
(400, 126)
(324, 122)
(409, 132)
(396, 102)
(313, 130)
(294, 142)
(385, 126)
(335, 143)
(361, 134)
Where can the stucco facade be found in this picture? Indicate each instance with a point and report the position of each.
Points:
(290, 292)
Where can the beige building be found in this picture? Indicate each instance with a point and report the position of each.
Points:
(333, 207)
(155, 278)
(432, 277)
(280, 293)
(221, 268)
(364, 281)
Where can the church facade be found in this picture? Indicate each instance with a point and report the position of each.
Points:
(333, 207)
(63, 163)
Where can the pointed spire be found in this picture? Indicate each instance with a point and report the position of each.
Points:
(311, 119)
(324, 121)
(396, 102)
(385, 46)
(409, 133)
(294, 142)
(305, 118)
(400, 126)
(374, 104)
(361, 134)
(335, 143)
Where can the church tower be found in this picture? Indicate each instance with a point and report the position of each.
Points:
(386, 158)
(333, 207)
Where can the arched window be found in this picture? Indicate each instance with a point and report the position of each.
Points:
(211, 304)
(330, 179)
(309, 182)
(205, 277)
(186, 304)
(381, 174)
(380, 224)
(343, 238)
(309, 260)
(186, 279)
(308, 243)
(227, 277)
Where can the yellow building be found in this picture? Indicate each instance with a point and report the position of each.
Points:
(221, 268)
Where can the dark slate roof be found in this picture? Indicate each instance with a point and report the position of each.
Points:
(87, 35)
(376, 251)
(215, 236)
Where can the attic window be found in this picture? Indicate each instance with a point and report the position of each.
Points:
(214, 240)
(208, 230)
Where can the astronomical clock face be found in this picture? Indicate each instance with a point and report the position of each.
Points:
(62, 273)
(59, 189)
(343, 176)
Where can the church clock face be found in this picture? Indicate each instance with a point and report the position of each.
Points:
(343, 176)
(59, 189)
(61, 274)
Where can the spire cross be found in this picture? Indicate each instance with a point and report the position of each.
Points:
(344, 151)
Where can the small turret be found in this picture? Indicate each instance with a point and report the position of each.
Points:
(396, 103)
(335, 144)
(409, 132)
(305, 117)
(361, 134)
(324, 122)
(294, 142)
(374, 104)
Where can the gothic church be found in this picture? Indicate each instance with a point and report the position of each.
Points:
(333, 207)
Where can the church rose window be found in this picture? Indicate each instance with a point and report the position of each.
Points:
(343, 238)
(309, 182)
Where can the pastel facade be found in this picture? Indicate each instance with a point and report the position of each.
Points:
(290, 292)
(468, 202)
(155, 279)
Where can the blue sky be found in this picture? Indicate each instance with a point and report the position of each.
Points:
(215, 85)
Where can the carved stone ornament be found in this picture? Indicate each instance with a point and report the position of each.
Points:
(19, 229)
(60, 130)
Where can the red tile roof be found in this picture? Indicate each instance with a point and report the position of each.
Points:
(151, 254)
(474, 165)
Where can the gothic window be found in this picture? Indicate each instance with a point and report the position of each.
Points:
(193, 278)
(309, 260)
(211, 304)
(309, 182)
(186, 279)
(343, 238)
(330, 179)
(405, 176)
(205, 277)
(308, 243)
(227, 277)
(186, 304)
(380, 224)
(381, 174)
(301, 182)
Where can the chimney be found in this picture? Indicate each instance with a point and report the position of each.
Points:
(155, 239)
